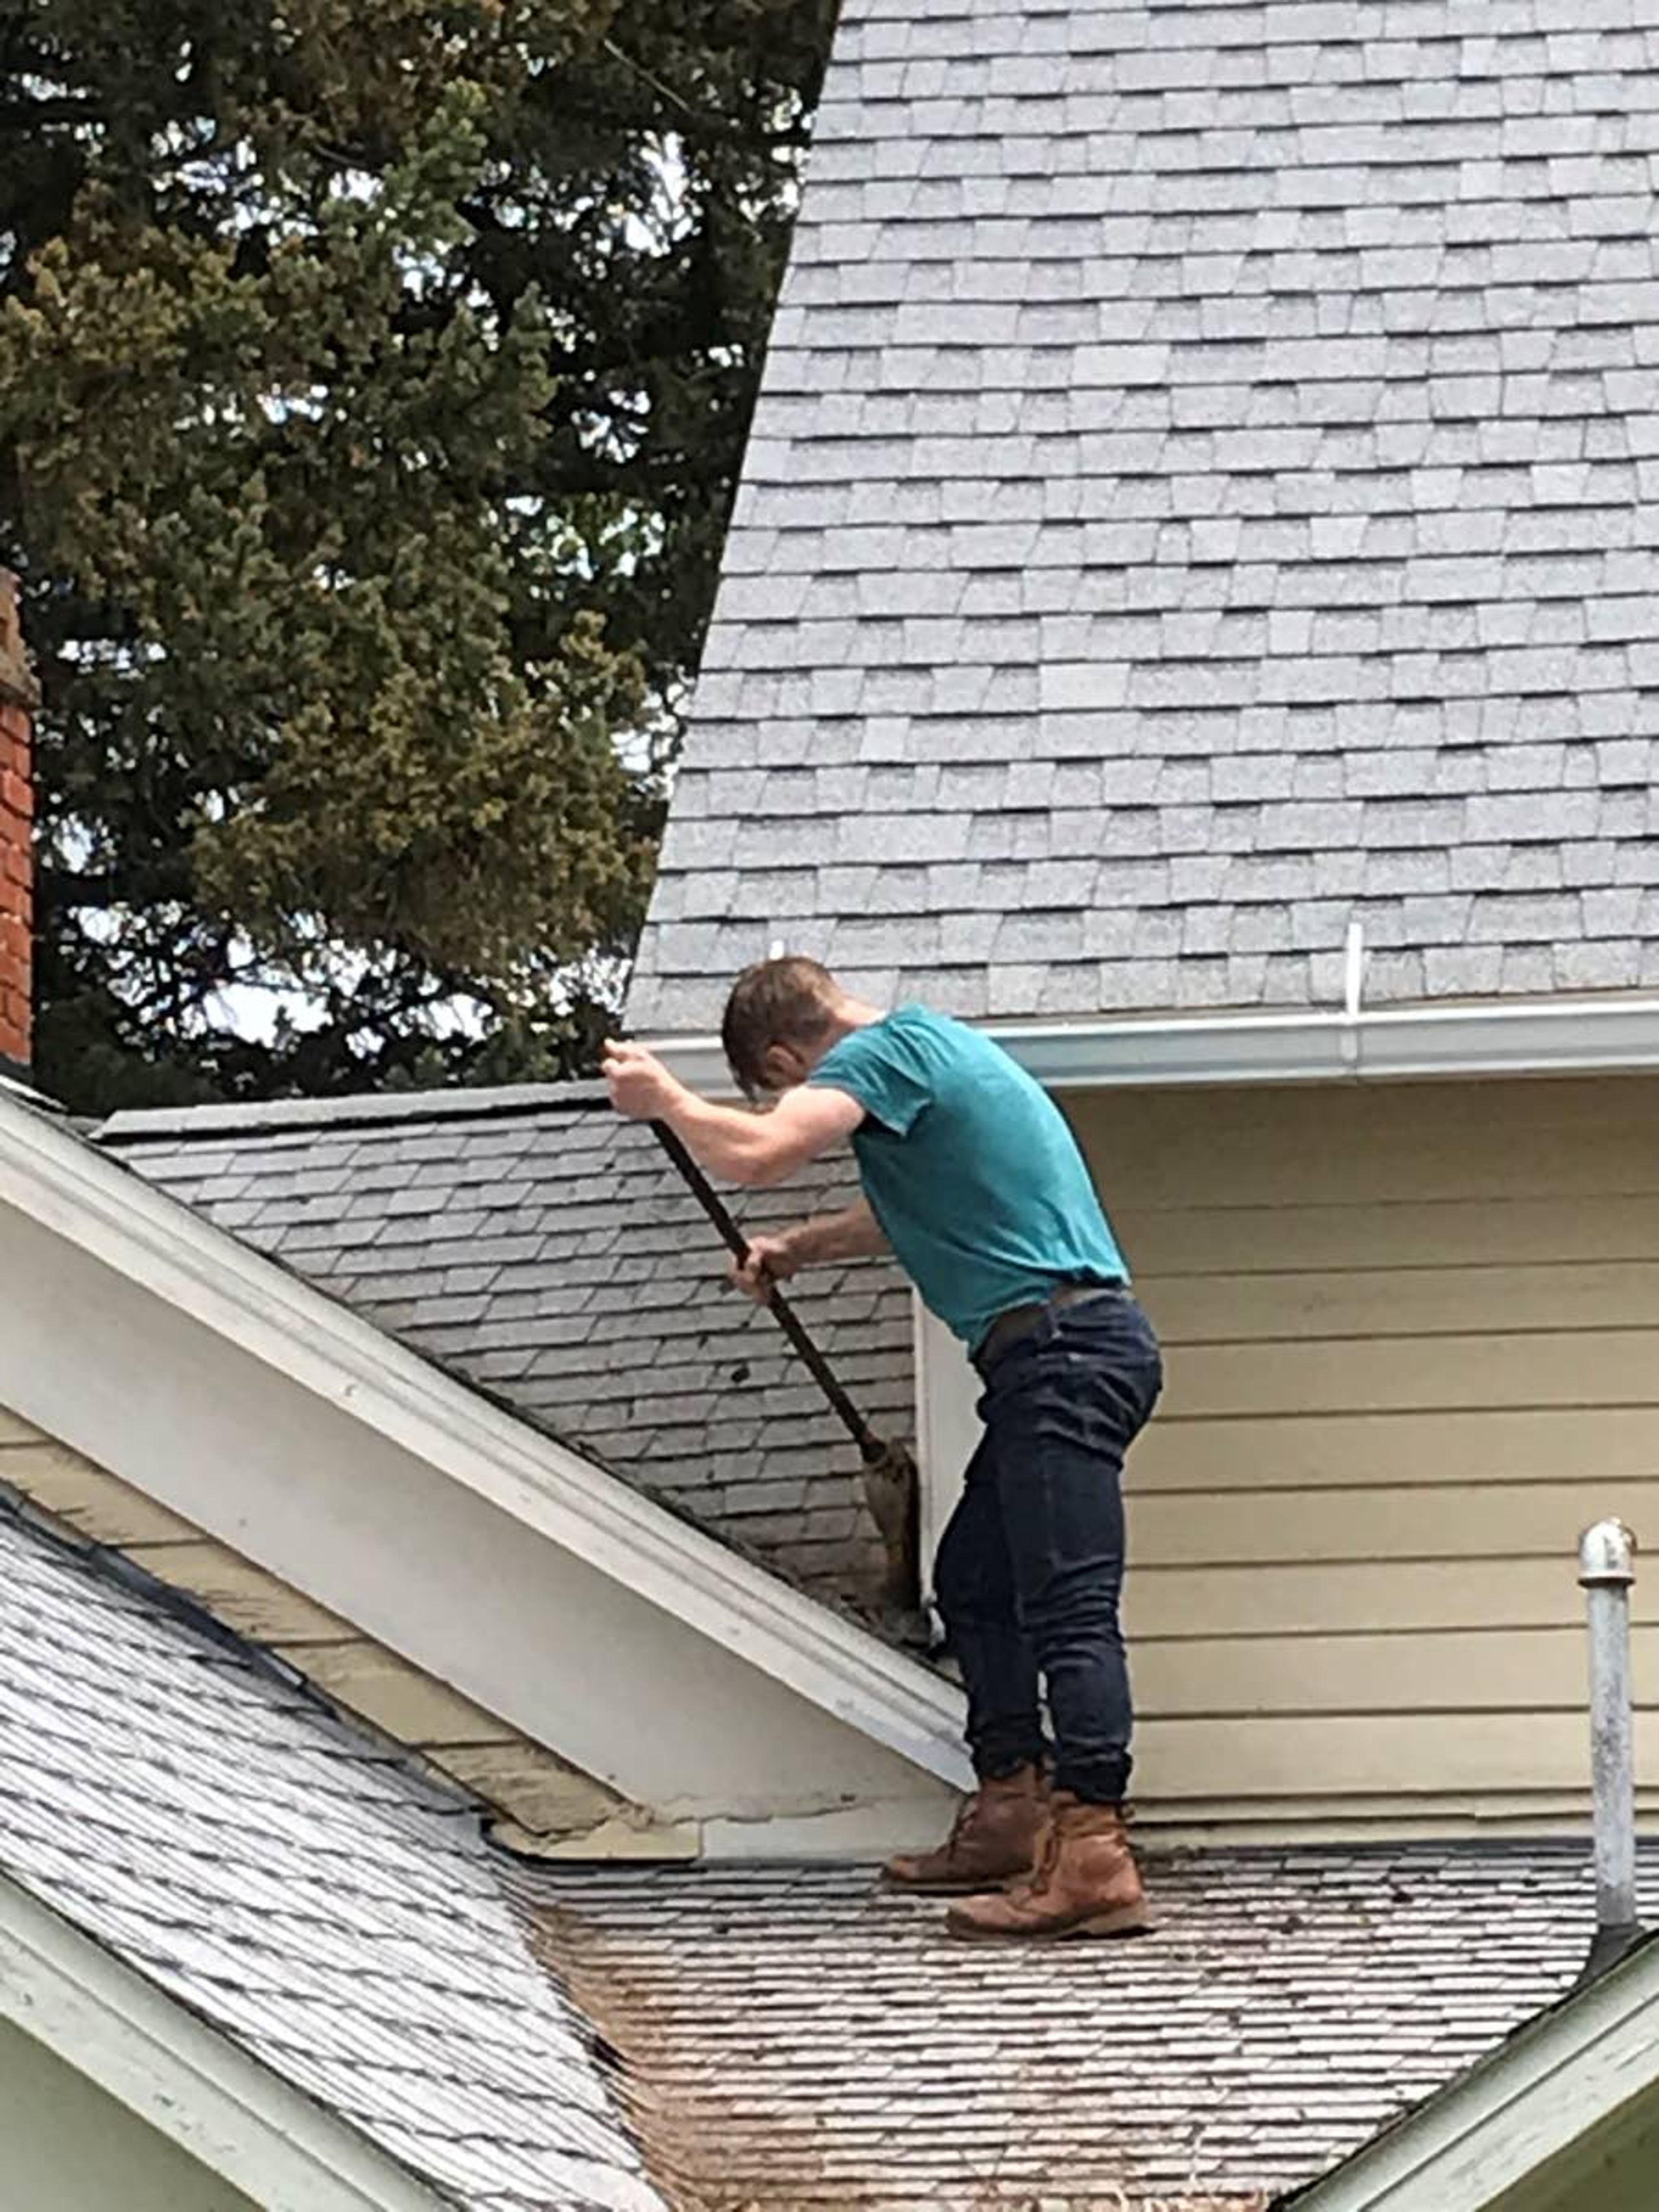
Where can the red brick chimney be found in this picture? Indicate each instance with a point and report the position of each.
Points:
(16, 835)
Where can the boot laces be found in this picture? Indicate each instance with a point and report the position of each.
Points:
(968, 1814)
(1042, 1874)
(964, 1820)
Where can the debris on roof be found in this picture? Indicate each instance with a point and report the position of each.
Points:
(799, 2041)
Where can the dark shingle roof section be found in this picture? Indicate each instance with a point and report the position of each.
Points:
(1206, 486)
(541, 1246)
(784, 2039)
(803, 2042)
(299, 1890)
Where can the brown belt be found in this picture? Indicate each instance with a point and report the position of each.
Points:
(1019, 1321)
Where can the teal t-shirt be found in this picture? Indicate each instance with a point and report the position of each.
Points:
(970, 1169)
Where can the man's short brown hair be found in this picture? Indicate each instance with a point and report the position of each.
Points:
(788, 1001)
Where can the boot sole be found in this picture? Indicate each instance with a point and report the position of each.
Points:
(1130, 1920)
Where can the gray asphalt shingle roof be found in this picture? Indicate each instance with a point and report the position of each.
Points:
(801, 2042)
(302, 1891)
(543, 1248)
(1204, 487)
(781, 2038)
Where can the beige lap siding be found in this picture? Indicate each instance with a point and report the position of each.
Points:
(1412, 1340)
(545, 1805)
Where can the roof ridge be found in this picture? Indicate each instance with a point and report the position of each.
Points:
(500, 1102)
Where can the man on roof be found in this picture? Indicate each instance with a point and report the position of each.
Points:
(973, 1181)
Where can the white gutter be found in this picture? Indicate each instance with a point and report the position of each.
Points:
(246, 2125)
(1350, 1043)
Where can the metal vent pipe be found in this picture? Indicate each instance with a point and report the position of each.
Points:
(1607, 1569)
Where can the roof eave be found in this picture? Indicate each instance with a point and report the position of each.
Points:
(1480, 1038)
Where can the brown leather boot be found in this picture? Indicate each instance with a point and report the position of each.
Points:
(997, 1836)
(1085, 1884)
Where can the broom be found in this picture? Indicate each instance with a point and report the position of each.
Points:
(890, 1485)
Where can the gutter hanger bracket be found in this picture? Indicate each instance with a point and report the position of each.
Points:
(1353, 987)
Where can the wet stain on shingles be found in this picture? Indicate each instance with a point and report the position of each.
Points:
(796, 2042)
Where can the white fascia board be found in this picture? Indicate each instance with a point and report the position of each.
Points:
(1520, 1037)
(183, 2078)
(1544, 2090)
(83, 1196)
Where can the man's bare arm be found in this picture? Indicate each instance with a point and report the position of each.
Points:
(755, 1148)
(852, 1234)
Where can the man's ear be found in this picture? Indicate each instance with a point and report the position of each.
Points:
(783, 1067)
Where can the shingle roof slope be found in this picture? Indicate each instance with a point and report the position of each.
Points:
(1205, 486)
(802, 2042)
(304, 1893)
(542, 1247)
(784, 2039)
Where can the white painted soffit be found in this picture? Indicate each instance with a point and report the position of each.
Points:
(412, 1419)
(183, 2078)
(1544, 2090)
(1515, 1036)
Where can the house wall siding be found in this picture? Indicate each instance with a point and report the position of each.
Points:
(1413, 1347)
(544, 1804)
(1615, 2168)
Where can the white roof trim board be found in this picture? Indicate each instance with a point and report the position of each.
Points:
(184, 2079)
(401, 1454)
(1555, 2081)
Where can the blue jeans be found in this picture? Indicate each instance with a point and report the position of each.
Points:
(1030, 1566)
